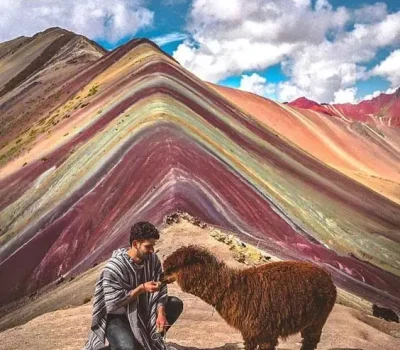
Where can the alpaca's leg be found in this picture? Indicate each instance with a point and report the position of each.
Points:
(268, 345)
(311, 337)
(250, 344)
(312, 334)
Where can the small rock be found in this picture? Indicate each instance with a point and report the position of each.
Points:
(266, 257)
(239, 242)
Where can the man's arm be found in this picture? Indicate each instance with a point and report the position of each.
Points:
(161, 321)
(150, 287)
(133, 294)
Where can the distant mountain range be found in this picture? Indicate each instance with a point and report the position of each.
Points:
(384, 108)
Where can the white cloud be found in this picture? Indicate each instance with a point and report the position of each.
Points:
(257, 84)
(345, 95)
(252, 35)
(169, 38)
(377, 93)
(318, 71)
(371, 13)
(390, 68)
(215, 60)
(313, 45)
(110, 20)
(288, 92)
(323, 4)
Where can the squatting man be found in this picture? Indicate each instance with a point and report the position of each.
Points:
(131, 308)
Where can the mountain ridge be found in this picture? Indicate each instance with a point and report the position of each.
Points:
(382, 108)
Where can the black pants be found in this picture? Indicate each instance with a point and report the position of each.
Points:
(119, 333)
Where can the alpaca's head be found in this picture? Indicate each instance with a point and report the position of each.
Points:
(186, 258)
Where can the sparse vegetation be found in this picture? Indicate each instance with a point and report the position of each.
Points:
(93, 90)
(43, 126)
(42, 121)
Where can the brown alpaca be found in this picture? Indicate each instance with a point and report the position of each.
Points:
(263, 303)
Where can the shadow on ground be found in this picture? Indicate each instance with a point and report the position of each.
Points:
(231, 346)
(227, 346)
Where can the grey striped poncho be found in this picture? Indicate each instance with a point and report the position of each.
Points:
(118, 278)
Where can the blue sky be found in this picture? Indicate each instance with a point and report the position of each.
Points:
(325, 50)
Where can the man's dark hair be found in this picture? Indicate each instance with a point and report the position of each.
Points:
(143, 230)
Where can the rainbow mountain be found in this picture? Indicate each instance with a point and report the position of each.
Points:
(93, 141)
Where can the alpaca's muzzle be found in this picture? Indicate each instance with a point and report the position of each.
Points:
(166, 279)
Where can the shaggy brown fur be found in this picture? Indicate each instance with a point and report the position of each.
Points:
(263, 303)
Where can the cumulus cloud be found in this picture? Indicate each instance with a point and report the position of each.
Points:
(109, 20)
(345, 95)
(389, 68)
(252, 35)
(257, 84)
(288, 92)
(214, 60)
(322, 4)
(371, 13)
(313, 44)
(321, 70)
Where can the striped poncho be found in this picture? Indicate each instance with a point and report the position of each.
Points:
(119, 276)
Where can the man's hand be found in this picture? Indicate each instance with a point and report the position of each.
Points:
(161, 322)
(151, 286)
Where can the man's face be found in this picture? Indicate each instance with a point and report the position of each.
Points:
(144, 248)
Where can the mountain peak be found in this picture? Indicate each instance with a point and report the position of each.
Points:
(54, 31)
(303, 102)
(140, 41)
